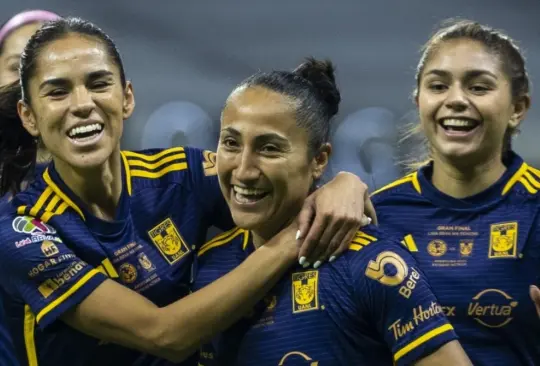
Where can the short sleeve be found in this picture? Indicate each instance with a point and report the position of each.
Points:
(391, 290)
(37, 266)
(205, 186)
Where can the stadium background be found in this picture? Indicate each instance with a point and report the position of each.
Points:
(184, 57)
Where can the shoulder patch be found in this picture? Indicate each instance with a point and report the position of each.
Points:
(526, 176)
(225, 238)
(155, 165)
(411, 178)
(361, 240)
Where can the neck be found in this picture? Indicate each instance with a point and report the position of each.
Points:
(99, 188)
(42, 155)
(262, 236)
(467, 180)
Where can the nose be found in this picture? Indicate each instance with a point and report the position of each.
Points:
(456, 99)
(246, 167)
(82, 103)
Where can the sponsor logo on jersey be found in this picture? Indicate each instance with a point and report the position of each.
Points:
(493, 308)
(297, 358)
(31, 225)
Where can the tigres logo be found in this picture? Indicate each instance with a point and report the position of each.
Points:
(145, 262)
(209, 163)
(128, 273)
(305, 288)
(437, 248)
(465, 247)
(169, 241)
(503, 240)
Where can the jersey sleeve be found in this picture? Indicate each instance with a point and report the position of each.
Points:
(37, 266)
(392, 292)
(205, 186)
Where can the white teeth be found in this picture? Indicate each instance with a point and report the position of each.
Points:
(85, 129)
(452, 122)
(248, 191)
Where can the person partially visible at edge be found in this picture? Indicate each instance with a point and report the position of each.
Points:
(470, 215)
(14, 34)
(97, 253)
(372, 306)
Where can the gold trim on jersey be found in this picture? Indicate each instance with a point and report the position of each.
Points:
(411, 178)
(409, 243)
(29, 336)
(107, 268)
(128, 173)
(225, 238)
(360, 240)
(51, 202)
(157, 165)
(47, 309)
(421, 340)
(529, 178)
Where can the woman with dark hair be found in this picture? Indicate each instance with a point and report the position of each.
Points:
(99, 249)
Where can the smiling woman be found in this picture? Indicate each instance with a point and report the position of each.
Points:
(473, 211)
(99, 249)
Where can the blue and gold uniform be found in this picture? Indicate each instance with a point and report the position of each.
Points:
(54, 253)
(372, 306)
(480, 255)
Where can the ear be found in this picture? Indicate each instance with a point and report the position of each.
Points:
(320, 161)
(27, 117)
(521, 106)
(129, 100)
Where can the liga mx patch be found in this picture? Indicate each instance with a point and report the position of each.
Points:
(305, 291)
(503, 240)
(168, 240)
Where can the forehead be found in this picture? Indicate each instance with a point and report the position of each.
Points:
(259, 108)
(16, 40)
(460, 55)
(71, 56)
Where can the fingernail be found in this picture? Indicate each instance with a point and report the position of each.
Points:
(298, 236)
(305, 265)
(302, 260)
(368, 220)
(317, 264)
(332, 258)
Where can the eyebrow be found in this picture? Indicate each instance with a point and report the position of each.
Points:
(264, 137)
(470, 74)
(63, 81)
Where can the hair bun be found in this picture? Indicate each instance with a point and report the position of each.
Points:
(321, 74)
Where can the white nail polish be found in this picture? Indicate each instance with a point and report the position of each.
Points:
(298, 236)
(332, 258)
(305, 265)
(317, 264)
(302, 260)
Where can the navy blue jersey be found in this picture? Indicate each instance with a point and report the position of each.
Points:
(372, 306)
(7, 351)
(54, 252)
(480, 254)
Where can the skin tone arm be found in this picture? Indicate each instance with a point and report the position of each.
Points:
(176, 331)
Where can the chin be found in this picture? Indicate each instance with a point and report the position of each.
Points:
(248, 221)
